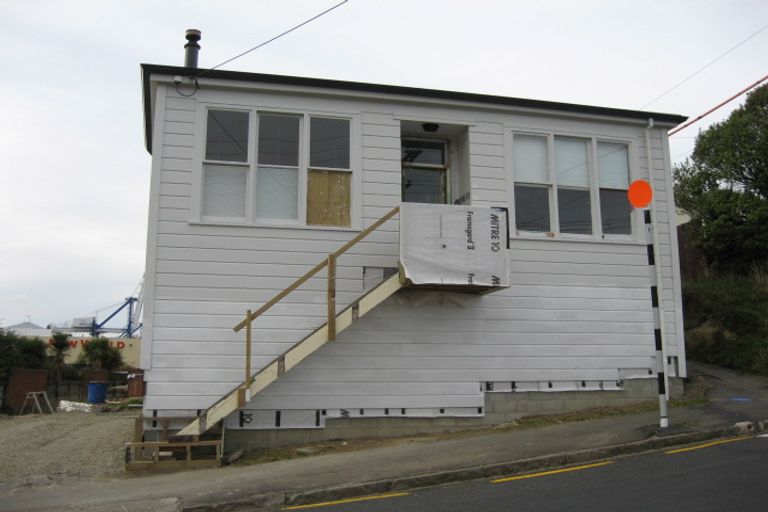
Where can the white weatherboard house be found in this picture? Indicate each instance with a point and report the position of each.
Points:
(257, 178)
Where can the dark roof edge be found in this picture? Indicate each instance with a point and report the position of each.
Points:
(149, 69)
(146, 100)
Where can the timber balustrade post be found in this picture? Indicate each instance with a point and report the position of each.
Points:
(248, 351)
(243, 392)
(331, 297)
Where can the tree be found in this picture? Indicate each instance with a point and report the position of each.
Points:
(10, 353)
(59, 346)
(32, 353)
(724, 187)
(100, 354)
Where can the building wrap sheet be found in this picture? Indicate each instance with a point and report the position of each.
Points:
(454, 245)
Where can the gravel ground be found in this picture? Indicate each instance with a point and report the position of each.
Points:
(39, 450)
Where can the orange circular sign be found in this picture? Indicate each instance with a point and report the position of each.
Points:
(640, 194)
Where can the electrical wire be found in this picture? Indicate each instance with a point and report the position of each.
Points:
(313, 18)
(689, 123)
(701, 69)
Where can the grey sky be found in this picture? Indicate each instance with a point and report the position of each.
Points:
(74, 174)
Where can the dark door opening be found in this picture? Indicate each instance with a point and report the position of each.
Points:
(424, 171)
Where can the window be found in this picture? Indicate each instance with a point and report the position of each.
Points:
(532, 183)
(560, 186)
(328, 186)
(425, 177)
(225, 168)
(270, 187)
(613, 169)
(572, 167)
(277, 179)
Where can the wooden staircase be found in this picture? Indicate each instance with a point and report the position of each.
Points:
(237, 398)
(256, 382)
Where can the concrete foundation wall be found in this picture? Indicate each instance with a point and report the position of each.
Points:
(499, 408)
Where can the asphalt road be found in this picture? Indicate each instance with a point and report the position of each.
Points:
(726, 476)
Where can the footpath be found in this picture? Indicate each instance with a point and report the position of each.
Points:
(737, 404)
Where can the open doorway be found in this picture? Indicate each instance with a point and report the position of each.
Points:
(435, 163)
(425, 171)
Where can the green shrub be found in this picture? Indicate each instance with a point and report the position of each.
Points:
(98, 353)
(19, 352)
(10, 354)
(726, 320)
(32, 353)
(59, 347)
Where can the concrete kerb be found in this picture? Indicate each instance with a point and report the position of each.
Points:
(278, 499)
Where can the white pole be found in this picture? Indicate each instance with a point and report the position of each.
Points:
(657, 291)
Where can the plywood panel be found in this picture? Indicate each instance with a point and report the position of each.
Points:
(328, 198)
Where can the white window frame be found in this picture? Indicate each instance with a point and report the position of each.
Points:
(306, 150)
(590, 188)
(445, 167)
(553, 221)
(594, 187)
(302, 176)
(248, 164)
(635, 226)
(355, 163)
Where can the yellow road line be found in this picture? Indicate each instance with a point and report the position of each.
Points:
(707, 445)
(348, 500)
(552, 472)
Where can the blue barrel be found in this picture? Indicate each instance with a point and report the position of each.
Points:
(97, 392)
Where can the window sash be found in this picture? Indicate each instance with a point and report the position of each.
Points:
(277, 193)
(572, 162)
(424, 185)
(615, 212)
(329, 143)
(532, 209)
(224, 191)
(424, 153)
(530, 158)
(613, 165)
(227, 135)
(576, 203)
(279, 140)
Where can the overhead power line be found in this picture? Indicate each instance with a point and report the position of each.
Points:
(689, 123)
(246, 52)
(701, 69)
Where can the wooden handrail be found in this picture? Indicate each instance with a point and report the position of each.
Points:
(320, 266)
(367, 231)
(317, 268)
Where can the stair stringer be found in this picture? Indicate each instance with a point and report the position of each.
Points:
(235, 399)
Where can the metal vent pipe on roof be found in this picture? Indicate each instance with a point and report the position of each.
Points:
(192, 48)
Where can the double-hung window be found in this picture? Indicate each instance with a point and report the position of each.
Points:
(226, 165)
(330, 177)
(532, 182)
(573, 195)
(424, 171)
(301, 173)
(571, 185)
(613, 170)
(277, 178)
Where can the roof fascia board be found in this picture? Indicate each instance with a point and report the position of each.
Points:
(148, 98)
(411, 100)
(385, 93)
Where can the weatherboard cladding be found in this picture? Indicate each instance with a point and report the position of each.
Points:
(576, 310)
